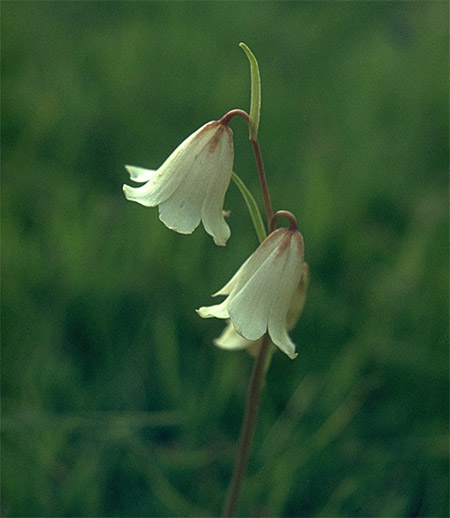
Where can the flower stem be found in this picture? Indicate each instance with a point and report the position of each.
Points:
(263, 181)
(293, 225)
(225, 119)
(248, 428)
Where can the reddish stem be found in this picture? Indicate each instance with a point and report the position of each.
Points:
(283, 214)
(258, 157)
(263, 180)
(225, 120)
(248, 428)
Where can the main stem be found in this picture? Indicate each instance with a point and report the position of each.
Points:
(263, 180)
(248, 428)
(261, 362)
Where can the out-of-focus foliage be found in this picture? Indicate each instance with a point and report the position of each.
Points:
(115, 403)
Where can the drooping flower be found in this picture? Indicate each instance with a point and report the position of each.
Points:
(191, 184)
(260, 294)
(231, 340)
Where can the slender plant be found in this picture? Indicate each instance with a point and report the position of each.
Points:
(265, 297)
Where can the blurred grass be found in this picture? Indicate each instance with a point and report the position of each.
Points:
(114, 401)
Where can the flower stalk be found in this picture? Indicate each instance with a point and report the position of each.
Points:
(293, 225)
(248, 428)
(225, 119)
(263, 180)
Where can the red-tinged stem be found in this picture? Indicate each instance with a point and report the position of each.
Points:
(248, 428)
(225, 120)
(263, 181)
(283, 214)
(259, 161)
(260, 365)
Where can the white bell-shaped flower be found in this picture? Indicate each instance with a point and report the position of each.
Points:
(231, 340)
(262, 290)
(191, 184)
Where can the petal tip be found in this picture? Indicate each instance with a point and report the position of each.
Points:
(126, 190)
(175, 227)
(217, 311)
(220, 242)
(220, 231)
(204, 312)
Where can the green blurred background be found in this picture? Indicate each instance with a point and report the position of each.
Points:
(115, 403)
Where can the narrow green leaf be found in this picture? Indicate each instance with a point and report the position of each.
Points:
(255, 99)
(252, 207)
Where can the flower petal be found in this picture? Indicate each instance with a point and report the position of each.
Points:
(140, 195)
(281, 339)
(216, 226)
(182, 210)
(230, 339)
(299, 299)
(220, 172)
(139, 174)
(287, 286)
(250, 307)
(252, 264)
(227, 289)
(217, 311)
(158, 189)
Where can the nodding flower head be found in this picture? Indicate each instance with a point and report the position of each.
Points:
(261, 294)
(231, 340)
(190, 185)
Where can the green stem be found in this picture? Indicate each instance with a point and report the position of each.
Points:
(252, 207)
(248, 428)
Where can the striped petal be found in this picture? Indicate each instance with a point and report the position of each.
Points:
(249, 308)
(182, 211)
(212, 208)
(254, 262)
(287, 286)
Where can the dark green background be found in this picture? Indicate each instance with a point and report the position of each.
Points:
(115, 403)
